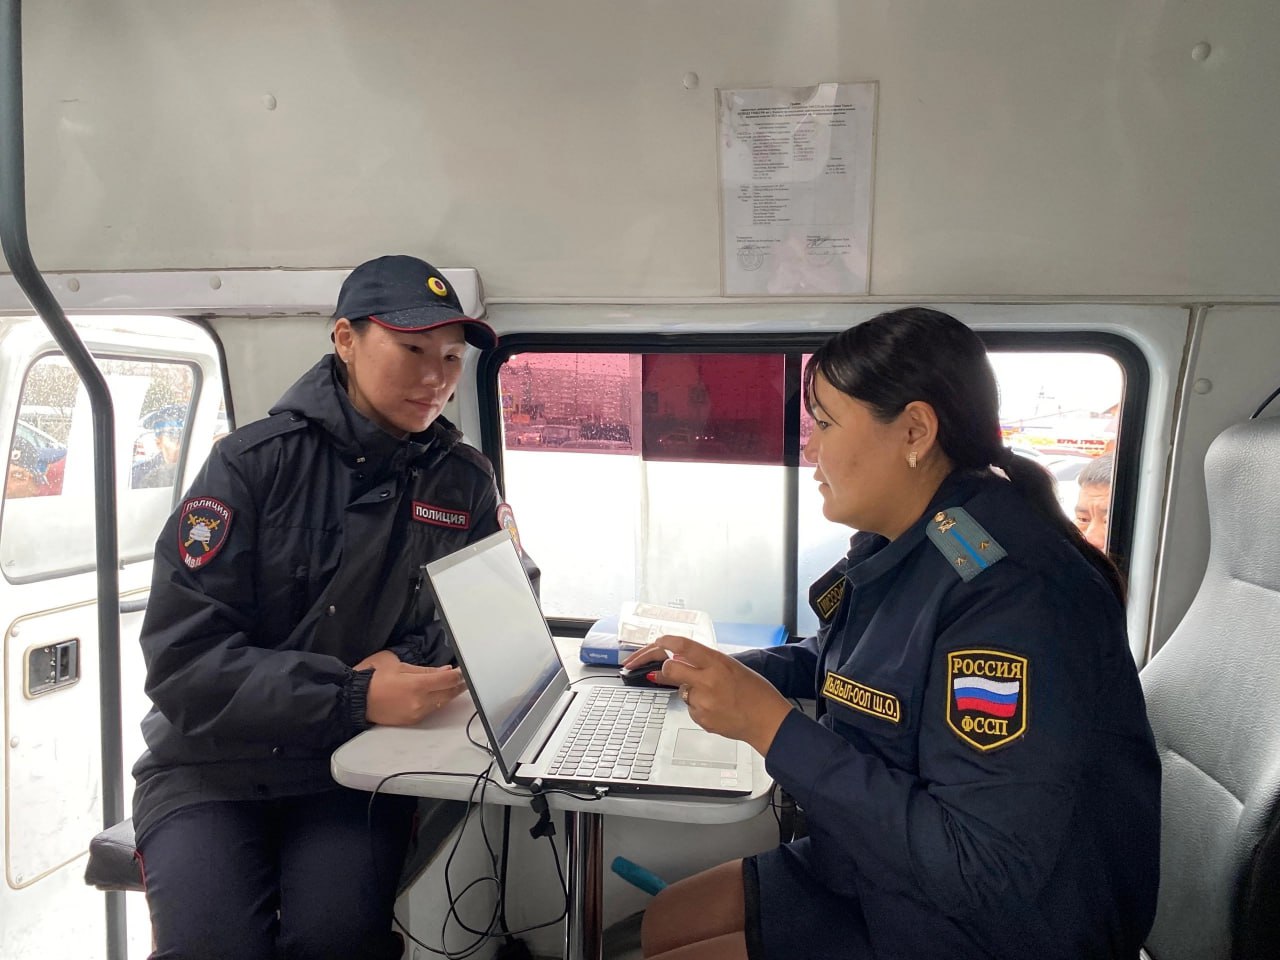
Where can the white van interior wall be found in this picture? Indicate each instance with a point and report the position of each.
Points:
(1042, 149)
(265, 355)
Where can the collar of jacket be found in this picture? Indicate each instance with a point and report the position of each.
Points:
(320, 395)
(872, 556)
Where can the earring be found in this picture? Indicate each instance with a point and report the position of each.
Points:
(911, 459)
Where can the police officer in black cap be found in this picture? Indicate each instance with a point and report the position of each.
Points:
(287, 614)
(160, 469)
(981, 781)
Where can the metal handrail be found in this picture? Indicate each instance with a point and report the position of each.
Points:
(17, 252)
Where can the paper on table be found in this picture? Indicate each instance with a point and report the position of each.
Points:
(641, 623)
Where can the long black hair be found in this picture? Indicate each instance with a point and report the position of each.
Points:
(922, 354)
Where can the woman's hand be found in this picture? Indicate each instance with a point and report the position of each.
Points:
(654, 651)
(723, 695)
(648, 654)
(401, 694)
(377, 661)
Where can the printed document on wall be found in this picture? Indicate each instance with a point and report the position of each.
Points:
(795, 189)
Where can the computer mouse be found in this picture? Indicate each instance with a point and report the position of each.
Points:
(638, 674)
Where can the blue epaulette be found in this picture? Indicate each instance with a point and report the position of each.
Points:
(968, 547)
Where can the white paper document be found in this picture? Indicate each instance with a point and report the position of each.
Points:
(795, 189)
(642, 623)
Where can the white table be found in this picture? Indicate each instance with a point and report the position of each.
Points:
(440, 744)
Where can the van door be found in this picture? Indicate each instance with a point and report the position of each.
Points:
(166, 387)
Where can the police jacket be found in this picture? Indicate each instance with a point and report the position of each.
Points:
(982, 780)
(297, 552)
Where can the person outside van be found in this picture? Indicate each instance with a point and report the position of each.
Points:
(160, 470)
(981, 780)
(1093, 506)
(287, 613)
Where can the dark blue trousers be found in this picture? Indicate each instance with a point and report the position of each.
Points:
(298, 878)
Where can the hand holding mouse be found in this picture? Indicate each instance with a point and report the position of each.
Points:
(723, 695)
(644, 673)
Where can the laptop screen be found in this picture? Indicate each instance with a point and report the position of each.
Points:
(496, 626)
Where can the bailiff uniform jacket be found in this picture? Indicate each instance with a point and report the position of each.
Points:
(297, 552)
(981, 781)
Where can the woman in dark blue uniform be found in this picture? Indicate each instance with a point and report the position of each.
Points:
(981, 781)
(286, 615)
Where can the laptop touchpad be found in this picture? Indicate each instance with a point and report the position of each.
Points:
(697, 748)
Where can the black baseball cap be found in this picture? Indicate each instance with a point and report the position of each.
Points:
(405, 293)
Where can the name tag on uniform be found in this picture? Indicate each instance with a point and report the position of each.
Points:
(860, 697)
(441, 516)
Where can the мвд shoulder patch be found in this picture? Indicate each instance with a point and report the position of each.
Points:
(963, 541)
(507, 521)
(987, 697)
(203, 525)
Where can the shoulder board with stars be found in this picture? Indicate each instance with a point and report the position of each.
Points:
(968, 547)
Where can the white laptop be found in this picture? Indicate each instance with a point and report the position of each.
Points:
(540, 728)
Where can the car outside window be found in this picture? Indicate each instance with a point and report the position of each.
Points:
(48, 492)
(679, 478)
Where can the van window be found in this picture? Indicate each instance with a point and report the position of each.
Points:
(641, 467)
(679, 478)
(48, 493)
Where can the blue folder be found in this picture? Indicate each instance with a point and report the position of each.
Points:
(600, 645)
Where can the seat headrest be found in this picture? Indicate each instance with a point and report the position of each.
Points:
(1242, 483)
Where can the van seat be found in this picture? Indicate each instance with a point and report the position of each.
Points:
(113, 864)
(1213, 698)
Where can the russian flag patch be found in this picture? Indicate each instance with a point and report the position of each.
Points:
(987, 697)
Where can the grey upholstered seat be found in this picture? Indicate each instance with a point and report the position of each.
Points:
(1213, 695)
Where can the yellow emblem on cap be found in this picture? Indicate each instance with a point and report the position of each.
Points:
(436, 286)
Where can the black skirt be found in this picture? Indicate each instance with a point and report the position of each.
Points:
(791, 915)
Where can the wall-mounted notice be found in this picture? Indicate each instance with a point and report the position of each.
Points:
(795, 189)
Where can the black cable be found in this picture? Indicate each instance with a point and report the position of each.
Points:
(502, 876)
(474, 741)
(1265, 403)
(442, 950)
(773, 806)
(595, 676)
(481, 781)
(555, 855)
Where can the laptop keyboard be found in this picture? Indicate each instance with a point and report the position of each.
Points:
(615, 736)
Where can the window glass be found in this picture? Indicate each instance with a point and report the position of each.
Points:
(713, 408)
(1062, 410)
(662, 477)
(49, 495)
(632, 466)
